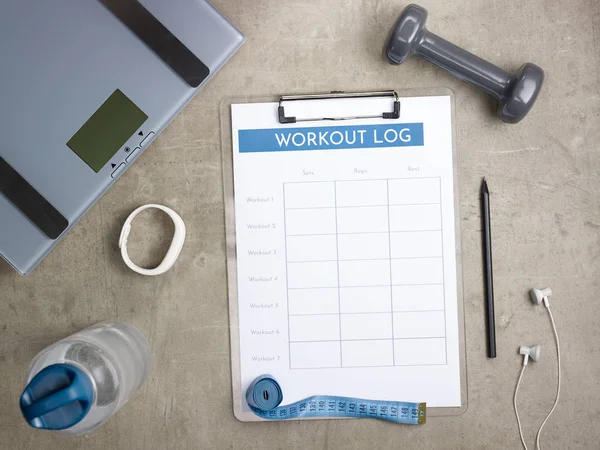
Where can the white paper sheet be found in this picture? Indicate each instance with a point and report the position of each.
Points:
(346, 266)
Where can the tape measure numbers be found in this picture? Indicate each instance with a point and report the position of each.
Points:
(264, 395)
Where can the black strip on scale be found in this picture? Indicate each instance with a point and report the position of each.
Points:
(31, 203)
(156, 36)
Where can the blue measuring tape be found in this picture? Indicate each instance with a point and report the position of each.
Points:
(264, 396)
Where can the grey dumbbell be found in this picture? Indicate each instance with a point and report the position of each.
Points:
(516, 93)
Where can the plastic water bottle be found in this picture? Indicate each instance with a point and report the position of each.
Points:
(78, 383)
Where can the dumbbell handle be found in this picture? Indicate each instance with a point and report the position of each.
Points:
(463, 64)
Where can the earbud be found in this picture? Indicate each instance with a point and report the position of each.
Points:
(533, 352)
(539, 295)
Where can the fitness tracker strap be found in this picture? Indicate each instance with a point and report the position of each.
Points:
(174, 249)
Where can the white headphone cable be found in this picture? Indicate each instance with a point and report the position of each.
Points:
(515, 405)
(537, 440)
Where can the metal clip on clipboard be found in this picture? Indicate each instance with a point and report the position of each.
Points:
(395, 114)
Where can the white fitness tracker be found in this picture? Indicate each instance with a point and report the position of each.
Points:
(174, 249)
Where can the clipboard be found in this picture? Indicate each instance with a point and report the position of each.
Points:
(286, 116)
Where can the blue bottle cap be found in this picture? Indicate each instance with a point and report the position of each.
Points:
(58, 397)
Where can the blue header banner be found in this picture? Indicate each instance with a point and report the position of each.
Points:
(331, 138)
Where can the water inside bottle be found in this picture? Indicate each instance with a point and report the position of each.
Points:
(90, 357)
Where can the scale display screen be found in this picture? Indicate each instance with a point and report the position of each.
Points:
(107, 130)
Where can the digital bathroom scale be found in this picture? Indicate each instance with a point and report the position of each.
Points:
(85, 86)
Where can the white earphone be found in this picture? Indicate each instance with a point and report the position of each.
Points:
(538, 296)
(533, 352)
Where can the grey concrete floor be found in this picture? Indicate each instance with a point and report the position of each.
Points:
(545, 179)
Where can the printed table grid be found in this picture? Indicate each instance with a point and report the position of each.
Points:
(364, 273)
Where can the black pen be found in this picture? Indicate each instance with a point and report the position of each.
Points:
(489, 276)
